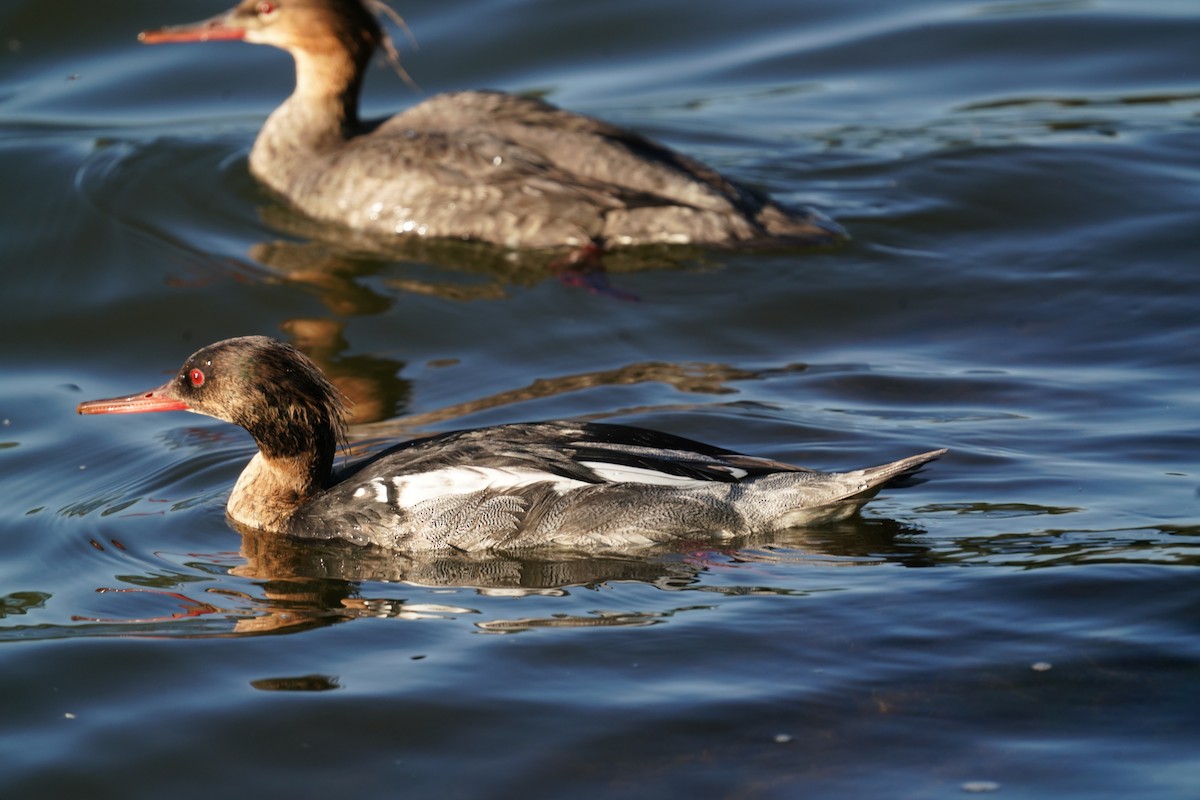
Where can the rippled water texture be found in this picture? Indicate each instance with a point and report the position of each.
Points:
(1021, 182)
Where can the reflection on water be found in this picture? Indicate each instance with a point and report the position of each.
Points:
(691, 378)
(299, 683)
(857, 541)
(331, 263)
(371, 384)
(1056, 547)
(277, 585)
(18, 603)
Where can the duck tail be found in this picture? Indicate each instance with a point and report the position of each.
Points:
(791, 227)
(877, 477)
(801, 498)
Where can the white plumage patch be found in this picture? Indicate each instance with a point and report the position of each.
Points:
(620, 473)
(411, 490)
(377, 486)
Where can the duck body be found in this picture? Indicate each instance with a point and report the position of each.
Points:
(485, 166)
(572, 485)
(561, 484)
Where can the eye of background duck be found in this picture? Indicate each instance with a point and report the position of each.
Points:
(196, 377)
(265, 9)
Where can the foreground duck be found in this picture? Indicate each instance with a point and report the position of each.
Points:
(561, 484)
(483, 166)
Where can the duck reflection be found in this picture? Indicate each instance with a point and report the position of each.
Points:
(688, 378)
(278, 585)
(298, 683)
(378, 394)
(372, 384)
(305, 585)
(332, 263)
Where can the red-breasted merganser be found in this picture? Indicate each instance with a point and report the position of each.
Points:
(577, 485)
(485, 166)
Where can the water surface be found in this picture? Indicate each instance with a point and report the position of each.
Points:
(1021, 182)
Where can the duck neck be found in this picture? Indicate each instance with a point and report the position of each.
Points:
(320, 115)
(277, 482)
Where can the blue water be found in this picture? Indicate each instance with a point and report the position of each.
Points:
(1022, 186)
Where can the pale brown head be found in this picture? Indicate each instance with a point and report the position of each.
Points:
(311, 26)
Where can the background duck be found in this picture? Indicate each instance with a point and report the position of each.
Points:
(484, 166)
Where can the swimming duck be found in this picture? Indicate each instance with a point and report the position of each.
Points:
(572, 485)
(484, 166)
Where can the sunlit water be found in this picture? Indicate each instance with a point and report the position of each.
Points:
(1022, 184)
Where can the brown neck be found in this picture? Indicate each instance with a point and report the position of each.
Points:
(271, 489)
(321, 115)
(328, 82)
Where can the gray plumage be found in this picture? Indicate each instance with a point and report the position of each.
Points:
(484, 166)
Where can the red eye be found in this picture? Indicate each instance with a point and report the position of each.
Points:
(196, 377)
(264, 9)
